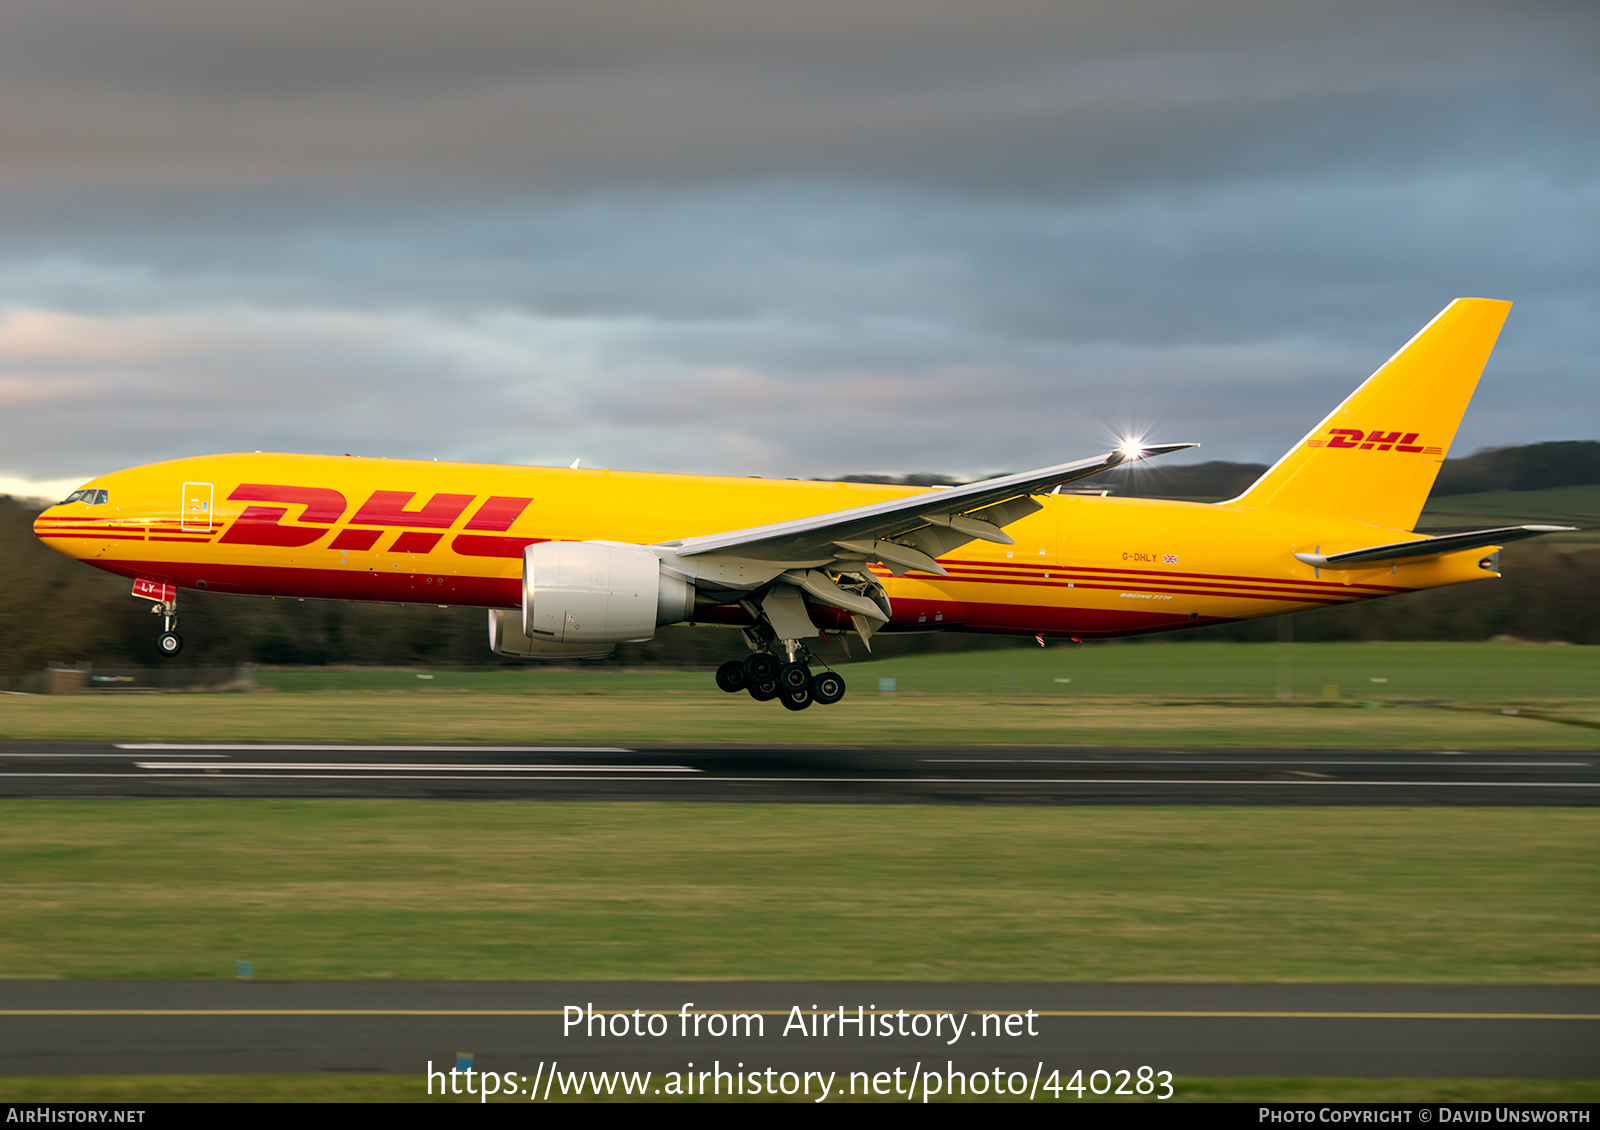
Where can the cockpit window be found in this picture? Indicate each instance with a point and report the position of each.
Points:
(88, 497)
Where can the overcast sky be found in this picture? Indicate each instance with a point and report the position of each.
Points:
(757, 238)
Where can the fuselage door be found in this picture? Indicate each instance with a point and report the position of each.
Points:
(196, 512)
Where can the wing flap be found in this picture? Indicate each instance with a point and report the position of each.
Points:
(994, 501)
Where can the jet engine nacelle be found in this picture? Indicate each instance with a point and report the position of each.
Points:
(596, 592)
(506, 638)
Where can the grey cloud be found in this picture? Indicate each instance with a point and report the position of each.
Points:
(780, 239)
(981, 97)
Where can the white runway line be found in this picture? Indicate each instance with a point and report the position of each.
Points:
(1243, 761)
(248, 747)
(213, 775)
(415, 775)
(87, 756)
(410, 767)
(1216, 781)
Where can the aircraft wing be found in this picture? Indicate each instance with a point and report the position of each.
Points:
(908, 533)
(1426, 547)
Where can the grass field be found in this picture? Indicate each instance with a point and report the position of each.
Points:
(308, 889)
(419, 889)
(863, 720)
(1401, 695)
(1390, 671)
(1558, 506)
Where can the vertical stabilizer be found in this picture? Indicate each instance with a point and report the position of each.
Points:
(1375, 457)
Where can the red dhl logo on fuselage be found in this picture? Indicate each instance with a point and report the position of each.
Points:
(423, 527)
(1354, 438)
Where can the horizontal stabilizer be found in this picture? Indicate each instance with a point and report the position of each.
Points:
(1426, 547)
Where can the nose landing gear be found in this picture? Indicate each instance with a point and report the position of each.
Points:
(165, 605)
(169, 643)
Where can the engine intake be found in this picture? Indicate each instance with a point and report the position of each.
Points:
(596, 592)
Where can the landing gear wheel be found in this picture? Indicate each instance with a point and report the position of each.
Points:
(827, 688)
(794, 677)
(169, 644)
(795, 700)
(761, 667)
(731, 676)
(763, 692)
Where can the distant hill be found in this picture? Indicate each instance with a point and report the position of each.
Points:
(1535, 466)
(1199, 482)
(1206, 481)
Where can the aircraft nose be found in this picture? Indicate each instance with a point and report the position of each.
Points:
(62, 525)
(50, 528)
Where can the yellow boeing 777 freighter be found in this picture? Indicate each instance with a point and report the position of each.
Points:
(571, 562)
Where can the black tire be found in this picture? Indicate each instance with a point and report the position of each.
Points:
(763, 692)
(827, 688)
(794, 677)
(795, 700)
(730, 676)
(169, 644)
(761, 667)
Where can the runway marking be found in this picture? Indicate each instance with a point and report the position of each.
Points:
(510, 772)
(1160, 1014)
(1157, 781)
(376, 767)
(243, 747)
(339, 776)
(80, 756)
(1242, 761)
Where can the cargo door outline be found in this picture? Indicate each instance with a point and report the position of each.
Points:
(194, 516)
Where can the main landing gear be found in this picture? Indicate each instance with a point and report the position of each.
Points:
(792, 683)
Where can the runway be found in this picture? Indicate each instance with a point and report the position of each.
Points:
(1059, 775)
(249, 1027)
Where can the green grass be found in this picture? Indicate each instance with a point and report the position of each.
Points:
(1558, 506)
(1431, 696)
(1473, 672)
(130, 1090)
(417, 889)
(1570, 725)
(1485, 672)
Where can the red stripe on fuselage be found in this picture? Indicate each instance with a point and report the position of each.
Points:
(1070, 572)
(387, 585)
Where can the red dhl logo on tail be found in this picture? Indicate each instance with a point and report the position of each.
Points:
(1379, 439)
(385, 510)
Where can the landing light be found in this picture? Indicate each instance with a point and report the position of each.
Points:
(1132, 449)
